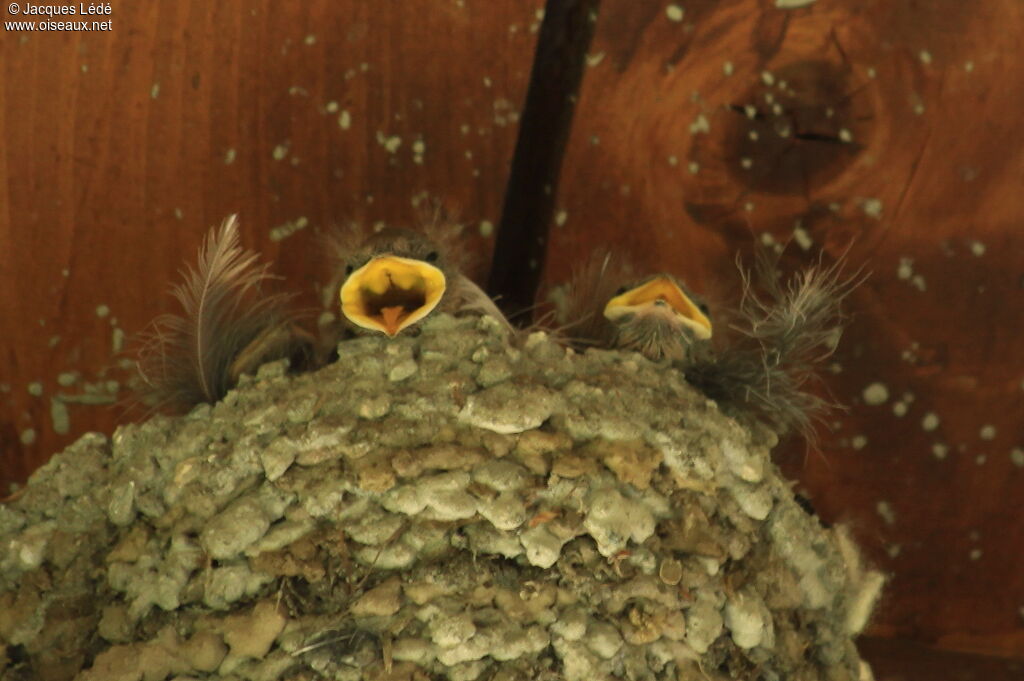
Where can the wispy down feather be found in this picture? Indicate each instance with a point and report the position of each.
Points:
(591, 285)
(787, 329)
(192, 358)
(471, 298)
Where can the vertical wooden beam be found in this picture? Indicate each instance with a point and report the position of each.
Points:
(522, 240)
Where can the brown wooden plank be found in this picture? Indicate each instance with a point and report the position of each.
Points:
(902, 137)
(895, 660)
(122, 148)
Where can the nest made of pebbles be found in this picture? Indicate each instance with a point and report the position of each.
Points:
(448, 505)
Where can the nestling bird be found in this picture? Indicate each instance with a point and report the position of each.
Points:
(396, 277)
(656, 316)
(784, 330)
(229, 327)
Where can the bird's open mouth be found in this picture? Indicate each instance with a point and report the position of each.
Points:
(660, 297)
(390, 293)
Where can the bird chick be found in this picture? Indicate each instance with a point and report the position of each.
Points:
(397, 277)
(658, 318)
(393, 281)
(228, 327)
(607, 306)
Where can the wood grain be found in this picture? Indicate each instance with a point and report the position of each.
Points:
(122, 148)
(895, 660)
(890, 125)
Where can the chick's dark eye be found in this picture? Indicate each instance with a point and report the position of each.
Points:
(431, 257)
(622, 289)
(703, 307)
(348, 270)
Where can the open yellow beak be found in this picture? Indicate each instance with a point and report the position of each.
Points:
(660, 297)
(389, 293)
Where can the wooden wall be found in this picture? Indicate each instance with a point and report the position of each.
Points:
(701, 127)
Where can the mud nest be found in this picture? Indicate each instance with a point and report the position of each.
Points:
(441, 506)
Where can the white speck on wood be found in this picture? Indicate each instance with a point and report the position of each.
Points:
(886, 512)
(59, 416)
(675, 13)
(872, 208)
(391, 144)
(285, 230)
(793, 4)
(802, 237)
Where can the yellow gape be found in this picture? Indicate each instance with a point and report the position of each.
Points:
(660, 297)
(389, 293)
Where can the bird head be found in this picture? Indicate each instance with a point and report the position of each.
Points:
(393, 281)
(658, 318)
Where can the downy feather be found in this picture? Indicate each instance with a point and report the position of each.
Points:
(187, 359)
(787, 329)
